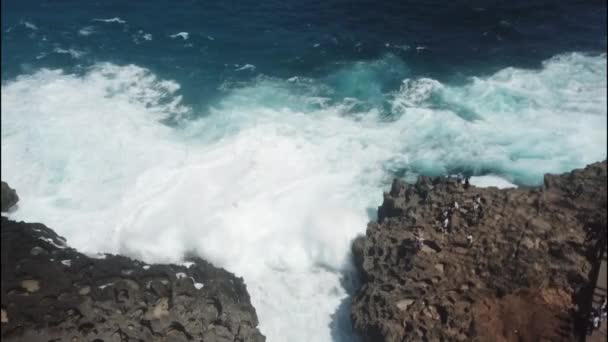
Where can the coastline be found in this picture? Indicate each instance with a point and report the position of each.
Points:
(526, 273)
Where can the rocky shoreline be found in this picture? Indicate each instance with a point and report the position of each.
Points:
(51, 292)
(450, 262)
(445, 261)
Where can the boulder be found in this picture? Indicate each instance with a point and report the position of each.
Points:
(8, 197)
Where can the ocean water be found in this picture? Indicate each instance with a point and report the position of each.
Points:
(260, 135)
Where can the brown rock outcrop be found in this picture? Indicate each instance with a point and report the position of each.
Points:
(447, 262)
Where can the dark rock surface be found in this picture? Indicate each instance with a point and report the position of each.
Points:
(8, 197)
(520, 278)
(51, 292)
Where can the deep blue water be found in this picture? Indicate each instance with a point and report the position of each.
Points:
(444, 40)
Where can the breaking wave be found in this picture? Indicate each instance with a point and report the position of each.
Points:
(276, 179)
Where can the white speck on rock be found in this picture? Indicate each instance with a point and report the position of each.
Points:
(197, 286)
(48, 240)
(105, 285)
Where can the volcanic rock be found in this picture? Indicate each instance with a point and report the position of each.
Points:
(447, 262)
(51, 292)
(8, 197)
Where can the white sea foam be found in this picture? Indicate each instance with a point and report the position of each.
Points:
(29, 25)
(414, 93)
(491, 181)
(249, 67)
(86, 31)
(110, 20)
(273, 184)
(519, 122)
(141, 35)
(72, 52)
(183, 35)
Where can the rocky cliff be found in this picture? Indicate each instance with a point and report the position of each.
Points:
(452, 262)
(8, 197)
(51, 292)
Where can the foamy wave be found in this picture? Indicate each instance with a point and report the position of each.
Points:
(249, 67)
(276, 179)
(86, 31)
(29, 25)
(491, 181)
(141, 35)
(72, 52)
(183, 35)
(110, 20)
(414, 93)
(519, 122)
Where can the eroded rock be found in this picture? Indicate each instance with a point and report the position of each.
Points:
(446, 262)
(8, 197)
(114, 298)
